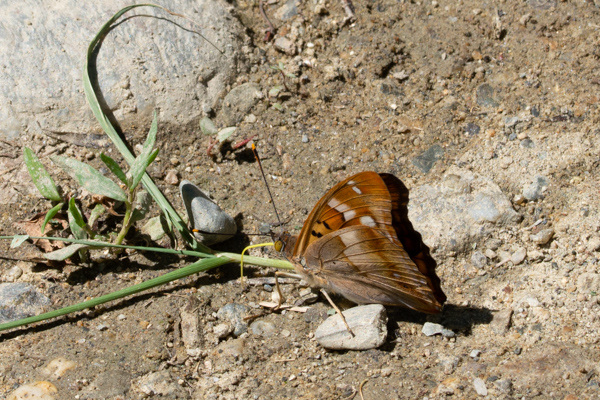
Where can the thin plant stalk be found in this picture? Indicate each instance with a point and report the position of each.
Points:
(209, 261)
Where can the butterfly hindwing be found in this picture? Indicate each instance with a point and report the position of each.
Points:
(362, 264)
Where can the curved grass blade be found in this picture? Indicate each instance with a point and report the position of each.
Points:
(198, 266)
(40, 177)
(173, 218)
(88, 177)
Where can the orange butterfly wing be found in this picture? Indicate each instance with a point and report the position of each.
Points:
(359, 243)
(362, 199)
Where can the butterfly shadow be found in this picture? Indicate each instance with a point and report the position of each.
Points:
(459, 319)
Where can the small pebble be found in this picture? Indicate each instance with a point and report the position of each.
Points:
(518, 256)
(542, 237)
(501, 321)
(593, 244)
(304, 138)
(535, 190)
(285, 333)
(431, 329)
(474, 354)
(480, 388)
(171, 177)
(479, 260)
(223, 330)
(13, 274)
(262, 328)
(285, 45)
(234, 314)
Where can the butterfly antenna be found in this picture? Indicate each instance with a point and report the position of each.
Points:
(265, 179)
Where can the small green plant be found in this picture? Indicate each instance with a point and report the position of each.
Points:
(136, 202)
(281, 68)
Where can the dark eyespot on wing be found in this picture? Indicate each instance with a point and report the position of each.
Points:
(326, 225)
(317, 234)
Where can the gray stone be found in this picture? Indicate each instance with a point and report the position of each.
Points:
(472, 129)
(20, 300)
(206, 215)
(479, 386)
(368, 323)
(464, 209)
(234, 314)
(542, 4)
(160, 383)
(223, 330)
(239, 101)
(431, 329)
(535, 190)
(485, 96)
(509, 122)
(144, 63)
(501, 321)
(426, 160)
(474, 354)
(542, 237)
(518, 256)
(263, 328)
(287, 11)
(504, 385)
(478, 260)
(285, 45)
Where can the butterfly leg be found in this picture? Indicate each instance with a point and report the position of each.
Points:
(287, 275)
(336, 308)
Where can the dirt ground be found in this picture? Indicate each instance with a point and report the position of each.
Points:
(506, 89)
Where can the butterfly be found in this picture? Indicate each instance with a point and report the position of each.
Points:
(358, 242)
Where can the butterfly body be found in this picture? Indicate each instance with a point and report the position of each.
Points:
(358, 242)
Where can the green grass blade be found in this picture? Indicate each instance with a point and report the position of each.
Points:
(51, 214)
(198, 266)
(114, 167)
(99, 245)
(40, 177)
(90, 178)
(172, 216)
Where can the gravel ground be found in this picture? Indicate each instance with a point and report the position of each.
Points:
(429, 91)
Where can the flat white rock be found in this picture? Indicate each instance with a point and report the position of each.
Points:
(206, 215)
(368, 323)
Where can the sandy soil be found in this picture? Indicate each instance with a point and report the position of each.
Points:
(507, 89)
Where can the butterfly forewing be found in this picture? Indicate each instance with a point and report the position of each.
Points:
(364, 265)
(362, 199)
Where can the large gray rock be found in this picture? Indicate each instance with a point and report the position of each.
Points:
(20, 300)
(144, 63)
(464, 208)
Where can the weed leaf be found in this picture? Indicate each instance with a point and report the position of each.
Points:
(88, 177)
(40, 177)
